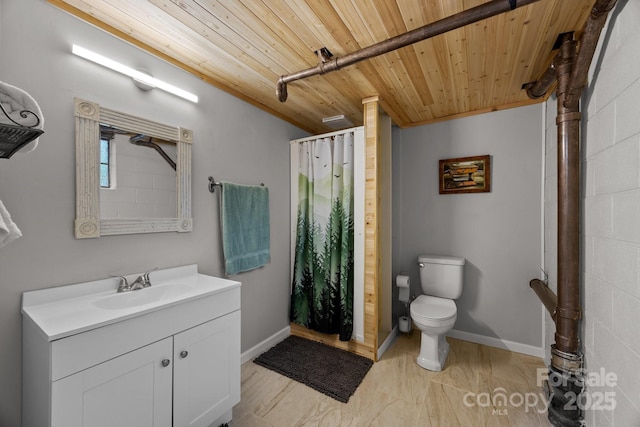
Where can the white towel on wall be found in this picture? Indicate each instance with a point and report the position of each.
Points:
(9, 231)
(14, 100)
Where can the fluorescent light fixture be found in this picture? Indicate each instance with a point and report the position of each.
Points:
(133, 73)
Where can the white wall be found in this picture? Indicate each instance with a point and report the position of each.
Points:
(232, 141)
(498, 233)
(611, 204)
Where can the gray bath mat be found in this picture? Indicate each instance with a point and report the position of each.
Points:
(334, 372)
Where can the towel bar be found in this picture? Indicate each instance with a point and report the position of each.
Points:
(213, 184)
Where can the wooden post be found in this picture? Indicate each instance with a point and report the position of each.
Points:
(372, 218)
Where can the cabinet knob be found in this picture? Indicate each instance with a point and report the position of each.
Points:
(165, 362)
(184, 353)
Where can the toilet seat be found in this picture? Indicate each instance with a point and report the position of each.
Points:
(430, 309)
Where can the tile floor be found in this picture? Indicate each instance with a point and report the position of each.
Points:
(397, 392)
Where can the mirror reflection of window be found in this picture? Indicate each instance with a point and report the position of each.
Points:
(105, 163)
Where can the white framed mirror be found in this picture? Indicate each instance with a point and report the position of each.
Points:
(92, 219)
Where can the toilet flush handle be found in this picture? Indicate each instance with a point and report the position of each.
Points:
(421, 264)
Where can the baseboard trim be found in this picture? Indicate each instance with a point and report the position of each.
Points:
(387, 342)
(261, 347)
(498, 343)
(333, 340)
(274, 339)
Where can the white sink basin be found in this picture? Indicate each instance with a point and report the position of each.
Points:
(144, 296)
(63, 311)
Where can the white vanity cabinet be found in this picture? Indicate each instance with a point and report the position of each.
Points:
(172, 362)
(202, 395)
(131, 390)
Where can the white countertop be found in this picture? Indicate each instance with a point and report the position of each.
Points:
(68, 310)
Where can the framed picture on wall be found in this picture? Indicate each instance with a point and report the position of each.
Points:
(465, 175)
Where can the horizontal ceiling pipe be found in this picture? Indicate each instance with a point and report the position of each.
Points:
(588, 43)
(546, 295)
(541, 87)
(466, 17)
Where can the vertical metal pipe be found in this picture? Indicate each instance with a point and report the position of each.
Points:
(566, 385)
(566, 359)
(588, 43)
(568, 122)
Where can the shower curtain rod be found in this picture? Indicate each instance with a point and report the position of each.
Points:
(324, 135)
(213, 184)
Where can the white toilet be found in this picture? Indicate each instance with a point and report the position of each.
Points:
(435, 313)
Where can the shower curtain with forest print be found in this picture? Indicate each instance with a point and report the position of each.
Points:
(322, 290)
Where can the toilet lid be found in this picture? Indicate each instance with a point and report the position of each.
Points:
(433, 308)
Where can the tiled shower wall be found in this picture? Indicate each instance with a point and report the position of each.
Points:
(610, 239)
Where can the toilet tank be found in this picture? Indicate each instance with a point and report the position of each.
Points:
(441, 276)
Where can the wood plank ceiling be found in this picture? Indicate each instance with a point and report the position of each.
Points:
(244, 46)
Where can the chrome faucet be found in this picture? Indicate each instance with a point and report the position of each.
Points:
(124, 285)
(141, 282)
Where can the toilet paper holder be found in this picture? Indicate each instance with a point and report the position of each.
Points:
(403, 282)
(404, 295)
(404, 322)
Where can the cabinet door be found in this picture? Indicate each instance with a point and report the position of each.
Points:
(207, 371)
(132, 390)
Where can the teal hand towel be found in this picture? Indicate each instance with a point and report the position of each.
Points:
(245, 227)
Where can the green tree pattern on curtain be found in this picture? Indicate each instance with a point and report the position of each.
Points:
(322, 290)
